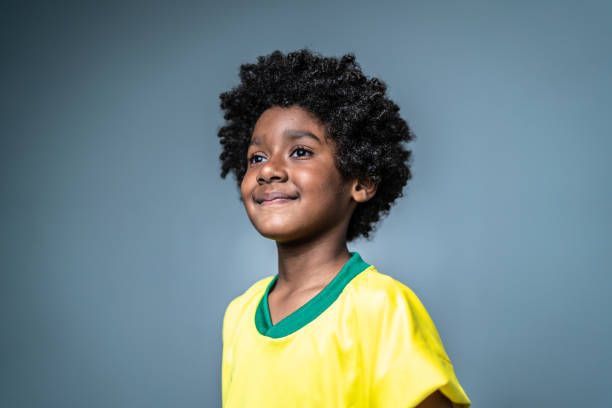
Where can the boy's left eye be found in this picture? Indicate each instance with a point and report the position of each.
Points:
(301, 152)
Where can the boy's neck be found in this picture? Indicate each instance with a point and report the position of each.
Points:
(311, 266)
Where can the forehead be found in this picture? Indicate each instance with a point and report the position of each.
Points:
(290, 123)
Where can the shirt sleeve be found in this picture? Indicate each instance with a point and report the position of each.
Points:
(404, 354)
(229, 325)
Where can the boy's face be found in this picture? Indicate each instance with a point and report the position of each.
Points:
(292, 189)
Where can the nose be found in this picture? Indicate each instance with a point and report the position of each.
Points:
(271, 170)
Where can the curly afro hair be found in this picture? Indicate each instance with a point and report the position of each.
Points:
(364, 124)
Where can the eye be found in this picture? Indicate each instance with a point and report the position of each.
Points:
(301, 152)
(254, 159)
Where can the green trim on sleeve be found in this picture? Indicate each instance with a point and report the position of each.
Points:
(311, 309)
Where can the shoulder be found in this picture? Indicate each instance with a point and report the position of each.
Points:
(252, 294)
(248, 299)
(384, 303)
(403, 354)
(374, 288)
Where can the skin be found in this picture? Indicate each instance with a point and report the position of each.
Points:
(309, 231)
(310, 228)
(436, 400)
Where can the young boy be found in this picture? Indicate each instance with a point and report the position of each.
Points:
(316, 149)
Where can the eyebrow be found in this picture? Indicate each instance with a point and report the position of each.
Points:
(291, 134)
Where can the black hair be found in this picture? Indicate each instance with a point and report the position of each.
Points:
(363, 122)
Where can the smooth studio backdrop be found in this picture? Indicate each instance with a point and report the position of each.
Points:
(121, 245)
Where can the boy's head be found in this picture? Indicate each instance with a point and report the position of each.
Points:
(358, 127)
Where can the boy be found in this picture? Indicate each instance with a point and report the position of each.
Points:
(315, 147)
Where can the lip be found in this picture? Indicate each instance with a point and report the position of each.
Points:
(273, 197)
(276, 201)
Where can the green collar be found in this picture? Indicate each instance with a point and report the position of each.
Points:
(311, 309)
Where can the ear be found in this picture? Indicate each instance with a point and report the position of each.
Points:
(363, 190)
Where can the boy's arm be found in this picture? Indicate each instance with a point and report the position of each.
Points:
(435, 400)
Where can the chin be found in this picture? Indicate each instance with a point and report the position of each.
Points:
(280, 234)
(277, 235)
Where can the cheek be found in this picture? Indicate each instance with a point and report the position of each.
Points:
(245, 186)
(327, 189)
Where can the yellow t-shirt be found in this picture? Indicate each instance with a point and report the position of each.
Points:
(365, 340)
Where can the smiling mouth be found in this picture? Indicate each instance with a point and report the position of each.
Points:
(276, 201)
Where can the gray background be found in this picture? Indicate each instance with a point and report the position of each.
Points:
(121, 246)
